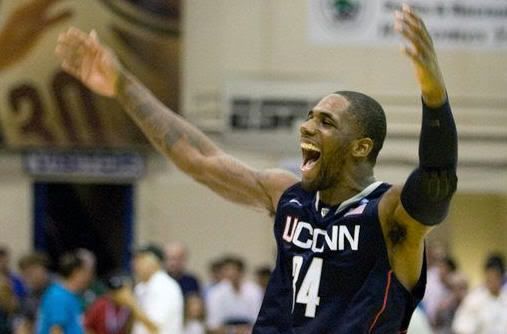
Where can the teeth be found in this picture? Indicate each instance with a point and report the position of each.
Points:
(310, 147)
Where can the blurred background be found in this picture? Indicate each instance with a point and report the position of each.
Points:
(76, 173)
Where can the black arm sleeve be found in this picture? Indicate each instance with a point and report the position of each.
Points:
(428, 190)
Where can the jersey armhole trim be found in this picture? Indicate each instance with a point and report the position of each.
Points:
(382, 309)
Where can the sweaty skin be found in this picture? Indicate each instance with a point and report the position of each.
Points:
(328, 128)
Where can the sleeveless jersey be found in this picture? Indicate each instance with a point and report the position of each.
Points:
(332, 271)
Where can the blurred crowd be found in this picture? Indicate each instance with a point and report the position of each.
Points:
(452, 306)
(158, 296)
(161, 296)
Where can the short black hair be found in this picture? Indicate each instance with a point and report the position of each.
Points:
(450, 263)
(4, 251)
(235, 261)
(152, 249)
(69, 263)
(263, 271)
(370, 117)
(495, 261)
(34, 259)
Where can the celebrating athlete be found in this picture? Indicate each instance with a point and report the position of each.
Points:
(350, 248)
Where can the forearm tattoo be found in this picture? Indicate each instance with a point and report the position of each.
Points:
(162, 126)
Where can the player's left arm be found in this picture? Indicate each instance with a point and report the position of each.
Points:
(409, 212)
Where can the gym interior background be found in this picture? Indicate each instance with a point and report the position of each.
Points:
(245, 72)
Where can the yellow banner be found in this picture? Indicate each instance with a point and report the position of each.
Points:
(41, 106)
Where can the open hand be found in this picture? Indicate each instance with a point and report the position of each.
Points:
(85, 58)
(419, 48)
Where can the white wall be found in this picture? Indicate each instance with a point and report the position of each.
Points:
(15, 205)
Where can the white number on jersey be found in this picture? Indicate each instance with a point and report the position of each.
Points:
(308, 293)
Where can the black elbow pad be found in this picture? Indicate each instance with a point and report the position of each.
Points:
(427, 194)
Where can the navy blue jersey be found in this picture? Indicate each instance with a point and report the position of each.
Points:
(332, 272)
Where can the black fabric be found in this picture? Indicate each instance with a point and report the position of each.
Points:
(427, 193)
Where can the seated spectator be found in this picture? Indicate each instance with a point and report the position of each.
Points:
(158, 295)
(15, 281)
(234, 303)
(176, 256)
(34, 269)
(60, 310)
(194, 315)
(484, 310)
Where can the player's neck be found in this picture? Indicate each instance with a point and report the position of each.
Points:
(350, 184)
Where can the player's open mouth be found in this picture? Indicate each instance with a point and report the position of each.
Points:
(311, 155)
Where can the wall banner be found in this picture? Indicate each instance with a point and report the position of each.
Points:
(43, 107)
(468, 24)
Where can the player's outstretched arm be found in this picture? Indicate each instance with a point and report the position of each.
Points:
(195, 154)
(410, 211)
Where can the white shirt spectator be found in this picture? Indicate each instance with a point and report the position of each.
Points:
(194, 327)
(419, 323)
(161, 300)
(436, 292)
(482, 313)
(225, 304)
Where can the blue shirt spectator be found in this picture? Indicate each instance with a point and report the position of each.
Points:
(60, 307)
(17, 286)
(60, 310)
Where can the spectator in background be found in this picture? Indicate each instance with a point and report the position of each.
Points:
(176, 256)
(34, 269)
(96, 288)
(108, 314)
(158, 295)
(8, 304)
(419, 323)
(484, 310)
(194, 315)
(435, 288)
(262, 275)
(234, 303)
(15, 281)
(446, 268)
(446, 311)
(60, 310)
(215, 276)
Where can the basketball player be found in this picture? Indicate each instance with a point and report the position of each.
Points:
(350, 248)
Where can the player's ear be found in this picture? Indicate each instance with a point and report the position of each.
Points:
(362, 147)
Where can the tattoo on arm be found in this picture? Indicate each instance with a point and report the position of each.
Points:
(162, 126)
(186, 146)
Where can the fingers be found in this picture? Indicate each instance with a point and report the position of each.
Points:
(417, 23)
(412, 28)
(410, 52)
(72, 48)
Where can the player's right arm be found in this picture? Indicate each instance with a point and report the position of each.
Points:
(191, 151)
